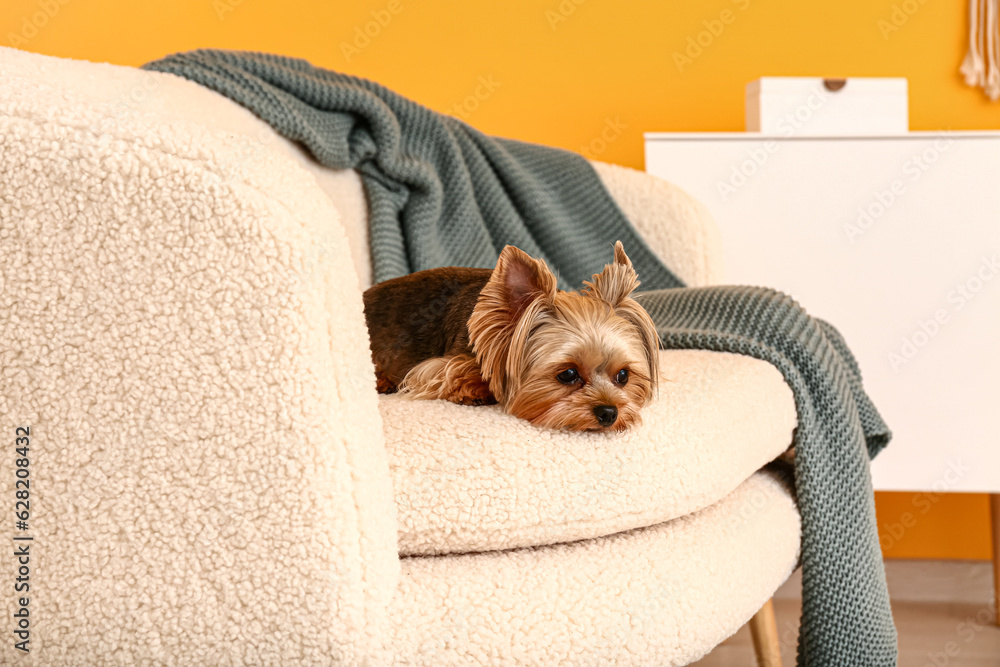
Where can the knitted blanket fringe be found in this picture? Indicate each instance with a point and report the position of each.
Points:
(442, 193)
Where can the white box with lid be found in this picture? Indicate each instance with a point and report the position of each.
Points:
(811, 106)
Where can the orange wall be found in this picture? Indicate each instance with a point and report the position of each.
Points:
(934, 525)
(562, 71)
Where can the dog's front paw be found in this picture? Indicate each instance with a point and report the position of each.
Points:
(478, 401)
(472, 392)
(383, 384)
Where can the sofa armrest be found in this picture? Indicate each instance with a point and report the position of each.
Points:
(677, 227)
(182, 331)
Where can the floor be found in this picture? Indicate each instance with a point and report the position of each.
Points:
(944, 613)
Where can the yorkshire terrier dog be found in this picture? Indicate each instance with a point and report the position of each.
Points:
(583, 361)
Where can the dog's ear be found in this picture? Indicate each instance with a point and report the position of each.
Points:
(616, 282)
(636, 315)
(519, 289)
(614, 285)
(519, 279)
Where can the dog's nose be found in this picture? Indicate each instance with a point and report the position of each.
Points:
(606, 414)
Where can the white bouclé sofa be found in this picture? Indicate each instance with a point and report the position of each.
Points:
(214, 479)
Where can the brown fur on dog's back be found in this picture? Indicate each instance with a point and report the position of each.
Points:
(420, 316)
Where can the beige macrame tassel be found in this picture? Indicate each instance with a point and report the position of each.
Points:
(981, 66)
(992, 86)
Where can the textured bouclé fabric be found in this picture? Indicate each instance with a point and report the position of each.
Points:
(477, 479)
(441, 193)
(208, 481)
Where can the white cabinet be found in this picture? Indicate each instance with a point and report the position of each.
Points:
(896, 241)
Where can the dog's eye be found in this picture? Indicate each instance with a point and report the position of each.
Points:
(568, 376)
(622, 376)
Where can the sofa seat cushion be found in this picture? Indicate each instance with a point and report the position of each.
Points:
(662, 595)
(476, 479)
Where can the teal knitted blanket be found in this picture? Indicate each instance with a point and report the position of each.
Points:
(441, 193)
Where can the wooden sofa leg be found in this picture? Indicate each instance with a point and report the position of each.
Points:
(764, 629)
(995, 511)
